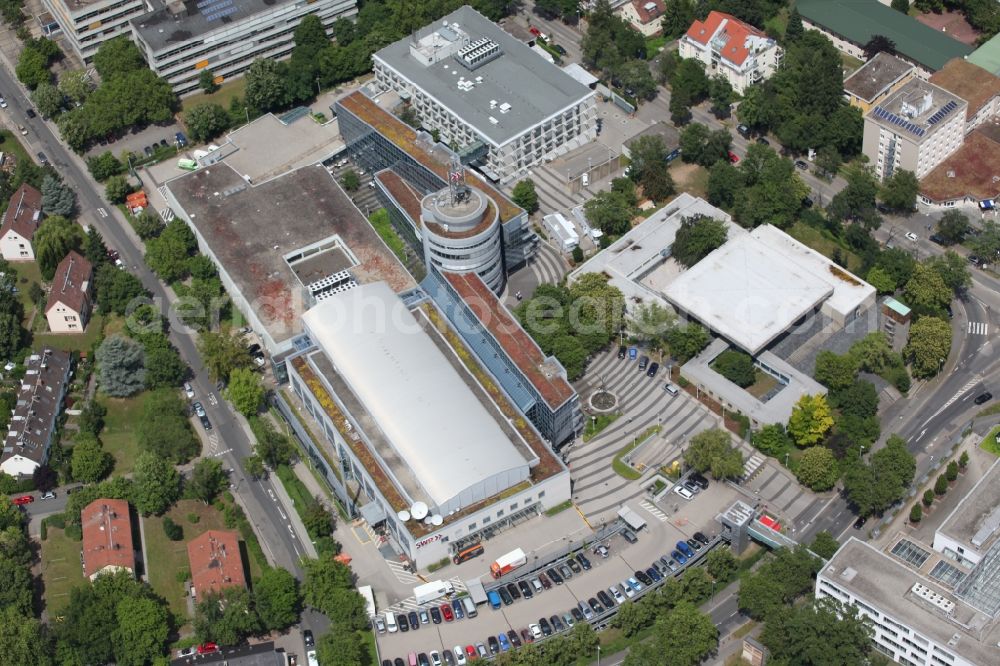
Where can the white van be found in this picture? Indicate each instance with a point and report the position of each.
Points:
(585, 179)
(390, 622)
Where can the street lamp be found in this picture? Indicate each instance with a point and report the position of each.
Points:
(786, 459)
(598, 655)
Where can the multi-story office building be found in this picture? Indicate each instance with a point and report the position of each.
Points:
(878, 78)
(503, 105)
(935, 605)
(378, 141)
(89, 23)
(180, 39)
(730, 48)
(915, 128)
(978, 87)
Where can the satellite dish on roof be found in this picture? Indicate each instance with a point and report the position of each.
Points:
(403, 515)
(419, 510)
(428, 520)
(437, 520)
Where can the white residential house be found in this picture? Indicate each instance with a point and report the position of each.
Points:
(20, 222)
(646, 16)
(739, 52)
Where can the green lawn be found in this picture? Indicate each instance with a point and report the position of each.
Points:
(620, 466)
(823, 243)
(989, 442)
(223, 96)
(383, 227)
(71, 341)
(654, 44)
(594, 428)
(9, 143)
(27, 274)
(120, 428)
(167, 558)
(849, 63)
(61, 568)
(762, 384)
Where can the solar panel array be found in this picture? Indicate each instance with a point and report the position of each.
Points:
(942, 112)
(891, 117)
(216, 9)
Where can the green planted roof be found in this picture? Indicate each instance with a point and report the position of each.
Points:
(860, 20)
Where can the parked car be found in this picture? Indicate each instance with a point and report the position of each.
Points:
(568, 620)
(602, 551)
(653, 575)
(525, 589)
(49, 494)
(403, 622)
(799, 164)
(577, 615)
(527, 636)
(536, 630)
(42, 159)
(616, 594)
(545, 626)
(505, 596)
(23, 499)
(686, 549)
(457, 608)
(557, 624)
(188, 390)
(198, 408)
(30, 113)
(605, 599)
(494, 645)
(860, 522)
(414, 620)
(635, 584)
(205, 423)
(436, 615)
(983, 397)
(595, 605)
(574, 565)
(584, 562)
(733, 158)
(565, 572)
(698, 479)
(588, 612)
(514, 639)
(621, 352)
(180, 139)
(208, 648)
(504, 643)
(555, 576)
(701, 538)
(679, 557)
(693, 543)
(911, 236)
(692, 486)
(544, 580)
(629, 536)
(513, 591)
(560, 50)
(683, 492)
(653, 368)
(446, 613)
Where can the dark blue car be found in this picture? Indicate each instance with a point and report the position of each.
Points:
(679, 556)
(684, 548)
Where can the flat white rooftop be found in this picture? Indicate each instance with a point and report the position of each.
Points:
(440, 430)
(757, 285)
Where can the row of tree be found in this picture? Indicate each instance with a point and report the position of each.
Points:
(611, 46)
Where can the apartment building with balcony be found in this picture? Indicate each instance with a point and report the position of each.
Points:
(915, 128)
(505, 107)
(737, 51)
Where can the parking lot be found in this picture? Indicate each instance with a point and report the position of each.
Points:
(654, 541)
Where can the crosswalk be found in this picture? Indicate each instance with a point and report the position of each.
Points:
(962, 391)
(401, 574)
(978, 328)
(653, 509)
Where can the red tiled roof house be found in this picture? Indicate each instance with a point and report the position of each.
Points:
(737, 51)
(646, 16)
(216, 562)
(20, 222)
(68, 309)
(107, 538)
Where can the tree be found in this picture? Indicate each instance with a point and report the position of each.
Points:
(721, 564)
(48, 99)
(817, 469)
(245, 391)
(987, 243)
(91, 419)
(772, 440)
(222, 353)
(11, 313)
(794, 29)
(90, 463)
(610, 211)
(835, 371)
(164, 366)
(206, 121)
(823, 632)
(899, 191)
(857, 200)
(954, 271)
(206, 81)
(874, 488)
(57, 197)
(650, 322)
(736, 366)
(687, 341)
(916, 513)
(350, 180)
(226, 617)
(328, 587)
(685, 633)
(277, 599)
(860, 399)
(147, 225)
(23, 639)
(898, 264)
(941, 485)
(878, 44)
(165, 430)
(265, 89)
(902, 6)
(677, 18)
(32, 68)
(828, 160)
(120, 364)
(142, 631)
(155, 484)
(117, 57)
(879, 278)
(928, 498)
(824, 545)
(339, 648)
(168, 253)
(173, 531)
(524, 195)
(725, 182)
(810, 420)
(117, 290)
(317, 520)
(963, 460)
(117, 188)
(952, 471)
(635, 76)
(712, 450)
(75, 85)
(722, 96)
(697, 237)
(208, 479)
(953, 226)
(928, 346)
(254, 467)
(54, 239)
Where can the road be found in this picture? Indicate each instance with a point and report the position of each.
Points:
(273, 530)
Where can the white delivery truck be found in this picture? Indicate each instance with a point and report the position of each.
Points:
(434, 590)
(369, 596)
(507, 563)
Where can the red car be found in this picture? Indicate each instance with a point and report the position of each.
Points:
(535, 31)
(23, 499)
(470, 652)
(733, 158)
(446, 611)
(207, 648)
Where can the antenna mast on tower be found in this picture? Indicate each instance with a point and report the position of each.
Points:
(457, 187)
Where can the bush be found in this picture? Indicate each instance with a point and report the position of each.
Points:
(173, 531)
(183, 575)
(57, 520)
(193, 518)
(736, 366)
(916, 513)
(941, 485)
(963, 460)
(577, 255)
(928, 498)
(951, 472)
(43, 530)
(74, 532)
